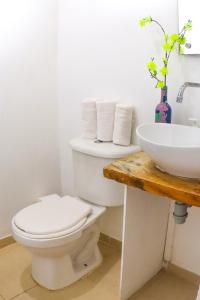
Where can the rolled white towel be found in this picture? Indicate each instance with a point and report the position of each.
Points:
(123, 124)
(89, 118)
(198, 295)
(105, 120)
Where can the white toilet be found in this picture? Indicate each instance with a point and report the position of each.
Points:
(62, 232)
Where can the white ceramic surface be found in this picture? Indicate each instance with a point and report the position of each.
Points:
(174, 148)
(89, 159)
(63, 249)
(101, 150)
(59, 261)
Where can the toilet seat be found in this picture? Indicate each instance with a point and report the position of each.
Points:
(60, 238)
(50, 236)
(52, 218)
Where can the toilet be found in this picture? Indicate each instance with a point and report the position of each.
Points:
(62, 233)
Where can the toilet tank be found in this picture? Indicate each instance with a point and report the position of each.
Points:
(89, 159)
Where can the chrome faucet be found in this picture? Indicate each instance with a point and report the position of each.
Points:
(179, 98)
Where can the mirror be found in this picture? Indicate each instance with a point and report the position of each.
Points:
(189, 10)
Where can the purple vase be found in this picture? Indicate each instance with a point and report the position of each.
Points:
(163, 111)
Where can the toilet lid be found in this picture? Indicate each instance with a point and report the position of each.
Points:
(52, 216)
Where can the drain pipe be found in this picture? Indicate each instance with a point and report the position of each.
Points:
(177, 215)
(180, 212)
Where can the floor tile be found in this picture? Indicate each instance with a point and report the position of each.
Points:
(107, 276)
(167, 286)
(15, 275)
(102, 284)
(82, 290)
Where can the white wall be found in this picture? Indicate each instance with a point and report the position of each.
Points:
(103, 53)
(186, 248)
(28, 109)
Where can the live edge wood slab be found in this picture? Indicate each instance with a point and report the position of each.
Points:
(138, 170)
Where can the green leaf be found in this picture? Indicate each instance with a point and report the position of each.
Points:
(145, 21)
(142, 23)
(164, 59)
(160, 84)
(164, 71)
(182, 40)
(168, 46)
(188, 25)
(152, 66)
(174, 37)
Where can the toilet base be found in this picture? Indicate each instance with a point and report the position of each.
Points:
(58, 269)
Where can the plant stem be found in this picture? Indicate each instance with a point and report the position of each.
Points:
(163, 30)
(153, 76)
(182, 34)
(167, 53)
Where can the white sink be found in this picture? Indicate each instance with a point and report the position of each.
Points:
(175, 149)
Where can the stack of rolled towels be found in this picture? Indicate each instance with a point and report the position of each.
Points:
(198, 295)
(123, 124)
(89, 118)
(107, 121)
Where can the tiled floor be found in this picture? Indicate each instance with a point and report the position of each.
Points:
(16, 282)
(103, 284)
(167, 286)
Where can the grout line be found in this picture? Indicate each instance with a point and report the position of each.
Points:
(14, 297)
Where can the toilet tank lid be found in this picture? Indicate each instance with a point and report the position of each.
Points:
(102, 149)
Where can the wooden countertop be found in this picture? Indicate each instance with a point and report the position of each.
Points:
(138, 170)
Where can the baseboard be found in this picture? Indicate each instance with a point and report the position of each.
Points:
(187, 275)
(111, 242)
(6, 241)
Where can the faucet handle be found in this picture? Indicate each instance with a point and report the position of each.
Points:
(193, 122)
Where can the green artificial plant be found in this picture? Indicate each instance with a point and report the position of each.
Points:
(169, 45)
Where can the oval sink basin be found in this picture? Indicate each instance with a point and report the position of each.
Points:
(175, 149)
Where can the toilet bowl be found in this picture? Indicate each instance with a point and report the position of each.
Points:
(63, 250)
(62, 232)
